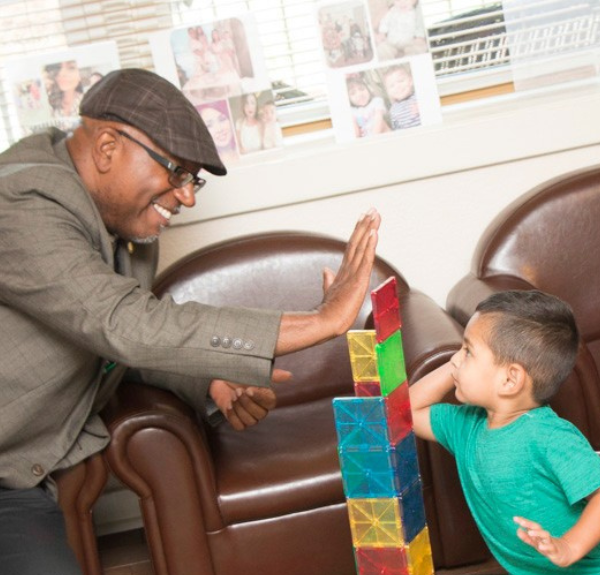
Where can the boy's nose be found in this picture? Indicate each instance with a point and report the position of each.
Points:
(456, 359)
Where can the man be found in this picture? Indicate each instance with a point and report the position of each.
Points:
(79, 216)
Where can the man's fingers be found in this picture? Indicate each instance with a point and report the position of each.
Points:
(262, 396)
(279, 376)
(234, 420)
(249, 411)
(360, 237)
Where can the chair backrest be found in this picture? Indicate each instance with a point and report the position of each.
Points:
(550, 239)
(281, 270)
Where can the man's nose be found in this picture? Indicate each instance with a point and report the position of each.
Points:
(186, 195)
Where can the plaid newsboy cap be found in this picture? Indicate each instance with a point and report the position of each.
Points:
(153, 105)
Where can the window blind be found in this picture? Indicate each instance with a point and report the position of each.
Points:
(496, 34)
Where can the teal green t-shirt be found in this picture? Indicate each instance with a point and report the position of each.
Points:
(539, 467)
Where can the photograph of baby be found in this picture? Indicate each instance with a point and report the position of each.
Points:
(217, 117)
(398, 28)
(256, 125)
(345, 34)
(212, 60)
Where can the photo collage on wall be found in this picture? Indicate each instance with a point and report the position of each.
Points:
(47, 89)
(379, 70)
(220, 68)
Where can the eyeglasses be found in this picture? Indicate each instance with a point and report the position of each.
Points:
(178, 176)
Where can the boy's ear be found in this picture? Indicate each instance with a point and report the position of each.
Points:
(516, 379)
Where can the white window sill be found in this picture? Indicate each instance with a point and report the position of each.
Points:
(472, 135)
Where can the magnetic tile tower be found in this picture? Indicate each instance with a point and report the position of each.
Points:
(377, 450)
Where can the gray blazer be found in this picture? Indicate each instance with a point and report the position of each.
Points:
(66, 316)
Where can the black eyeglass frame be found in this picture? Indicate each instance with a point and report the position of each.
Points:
(178, 176)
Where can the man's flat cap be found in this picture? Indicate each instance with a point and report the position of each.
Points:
(153, 105)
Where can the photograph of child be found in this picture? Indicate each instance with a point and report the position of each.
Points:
(65, 83)
(398, 28)
(217, 117)
(403, 108)
(272, 132)
(212, 60)
(47, 88)
(255, 120)
(27, 95)
(345, 34)
(367, 104)
(64, 88)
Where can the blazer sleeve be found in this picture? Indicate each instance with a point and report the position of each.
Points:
(58, 272)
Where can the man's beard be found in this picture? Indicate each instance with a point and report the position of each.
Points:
(147, 240)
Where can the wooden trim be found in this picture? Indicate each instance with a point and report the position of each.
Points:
(498, 90)
(307, 127)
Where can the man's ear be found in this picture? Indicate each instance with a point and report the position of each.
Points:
(516, 379)
(107, 144)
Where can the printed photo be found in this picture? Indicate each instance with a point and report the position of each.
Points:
(217, 117)
(47, 89)
(369, 112)
(256, 125)
(212, 60)
(28, 98)
(400, 96)
(398, 28)
(345, 34)
(390, 97)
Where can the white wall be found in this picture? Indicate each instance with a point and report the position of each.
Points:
(437, 187)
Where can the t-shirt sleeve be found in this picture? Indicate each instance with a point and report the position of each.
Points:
(576, 466)
(449, 424)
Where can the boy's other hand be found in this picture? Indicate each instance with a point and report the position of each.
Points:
(555, 549)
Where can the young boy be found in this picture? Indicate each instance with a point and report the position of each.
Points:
(400, 90)
(530, 478)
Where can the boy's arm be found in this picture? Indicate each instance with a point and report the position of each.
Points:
(574, 544)
(429, 390)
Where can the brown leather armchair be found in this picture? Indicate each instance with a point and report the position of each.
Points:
(78, 490)
(549, 239)
(269, 500)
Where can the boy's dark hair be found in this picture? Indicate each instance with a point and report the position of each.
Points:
(536, 330)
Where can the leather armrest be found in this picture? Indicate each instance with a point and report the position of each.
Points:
(429, 335)
(158, 444)
(79, 487)
(469, 291)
